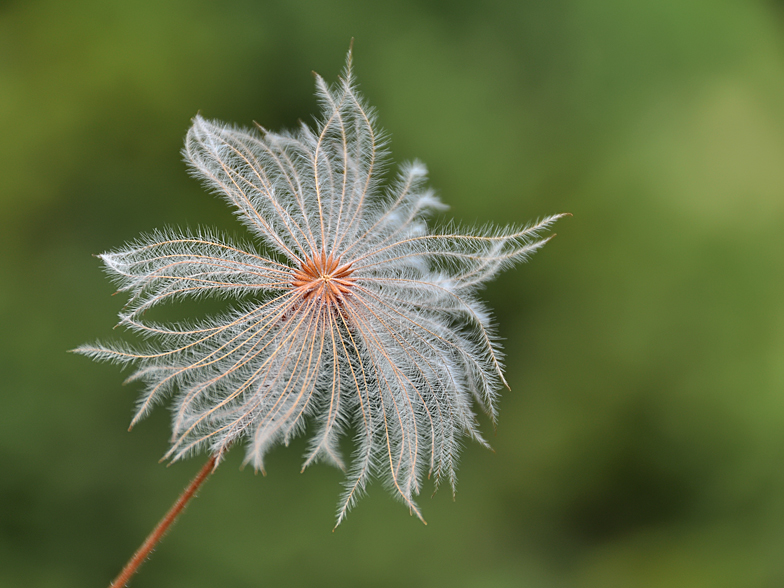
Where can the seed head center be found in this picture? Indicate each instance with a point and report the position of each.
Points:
(323, 276)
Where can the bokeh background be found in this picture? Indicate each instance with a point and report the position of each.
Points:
(642, 443)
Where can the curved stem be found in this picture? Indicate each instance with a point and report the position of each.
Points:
(157, 534)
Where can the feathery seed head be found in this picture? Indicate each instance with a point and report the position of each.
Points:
(363, 317)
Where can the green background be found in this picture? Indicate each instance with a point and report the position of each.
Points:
(642, 443)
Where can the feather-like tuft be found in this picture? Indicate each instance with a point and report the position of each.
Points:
(354, 314)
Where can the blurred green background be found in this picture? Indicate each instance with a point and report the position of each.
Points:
(642, 443)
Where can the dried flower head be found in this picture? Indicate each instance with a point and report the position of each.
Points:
(351, 315)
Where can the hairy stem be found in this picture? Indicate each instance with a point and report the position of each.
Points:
(166, 522)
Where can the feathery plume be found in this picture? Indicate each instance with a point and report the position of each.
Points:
(351, 313)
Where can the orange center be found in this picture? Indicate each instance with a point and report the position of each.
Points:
(324, 277)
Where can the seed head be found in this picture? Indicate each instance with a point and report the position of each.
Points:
(352, 315)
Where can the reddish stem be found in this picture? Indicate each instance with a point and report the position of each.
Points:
(166, 522)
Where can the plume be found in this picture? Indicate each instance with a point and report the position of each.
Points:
(348, 313)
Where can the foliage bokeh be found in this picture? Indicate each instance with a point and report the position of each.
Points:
(642, 443)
